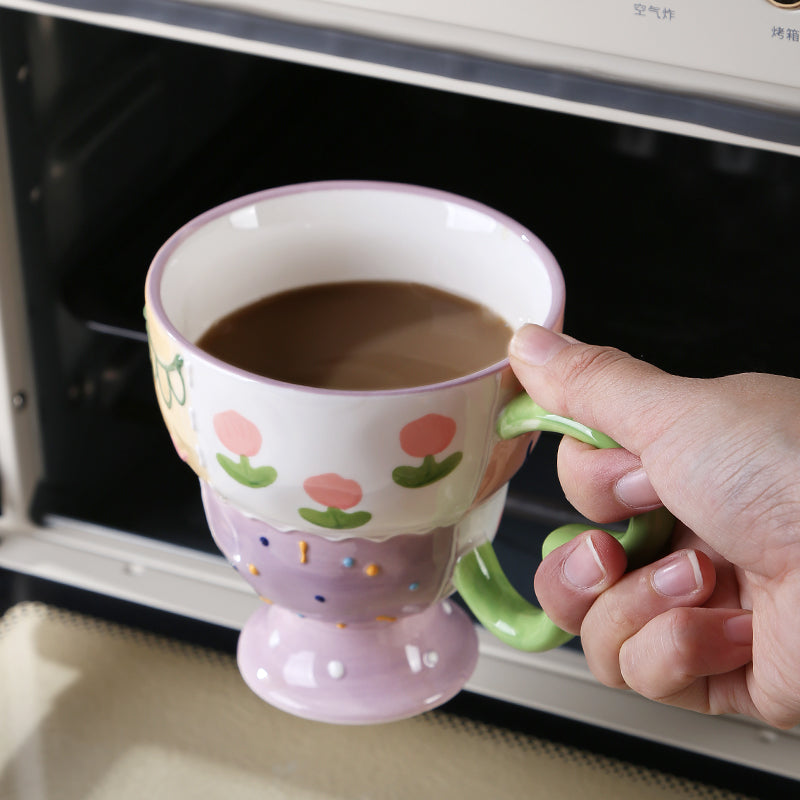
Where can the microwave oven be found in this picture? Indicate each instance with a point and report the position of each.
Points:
(655, 148)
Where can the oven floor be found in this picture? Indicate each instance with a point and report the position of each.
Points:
(93, 710)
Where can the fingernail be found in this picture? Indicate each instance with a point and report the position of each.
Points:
(636, 491)
(583, 567)
(679, 576)
(739, 630)
(536, 345)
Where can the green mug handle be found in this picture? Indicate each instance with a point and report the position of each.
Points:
(480, 579)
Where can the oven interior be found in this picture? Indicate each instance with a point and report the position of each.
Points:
(679, 250)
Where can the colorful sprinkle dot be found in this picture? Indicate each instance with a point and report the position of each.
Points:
(264, 541)
(303, 552)
(341, 625)
(412, 587)
(348, 562)
(336, 670)
(430, 659)
(266, 600)
(319, 598)
(253, 569)
(372, 570)
(384, 618)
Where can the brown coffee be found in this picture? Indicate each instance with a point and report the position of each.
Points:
(364, 335)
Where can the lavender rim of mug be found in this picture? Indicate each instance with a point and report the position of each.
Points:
(161, 259)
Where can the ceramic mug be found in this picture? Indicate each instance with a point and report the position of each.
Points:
(353, 514)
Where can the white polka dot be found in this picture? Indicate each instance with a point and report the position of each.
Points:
(274, 639)
(448, 609)
(336, 670)
(261, 674)
(430, 659)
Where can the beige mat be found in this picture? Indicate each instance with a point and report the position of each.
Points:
(91, 710)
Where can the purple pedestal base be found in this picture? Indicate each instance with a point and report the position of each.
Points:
(359, 673)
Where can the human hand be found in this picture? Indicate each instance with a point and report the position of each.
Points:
(712, 626)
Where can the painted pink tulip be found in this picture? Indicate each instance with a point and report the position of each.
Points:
(237, 433)
(427, 435)
(333, 491)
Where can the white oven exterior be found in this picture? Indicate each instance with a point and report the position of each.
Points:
(725, 70)
(696, 55)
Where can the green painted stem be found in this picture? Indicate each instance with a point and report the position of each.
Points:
(480, 579)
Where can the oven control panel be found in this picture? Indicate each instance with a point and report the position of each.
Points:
(714, 45)
(742, 50)
(726, 69)
(745, 50)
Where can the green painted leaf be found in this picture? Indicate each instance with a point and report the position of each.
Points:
(448, 465)
(415, 477)
(408, 477)
(247, 475)
(426, 473)
(335, 518)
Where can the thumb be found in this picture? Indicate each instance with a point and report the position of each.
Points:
(630, 400)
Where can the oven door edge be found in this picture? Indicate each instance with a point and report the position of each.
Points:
(20, 453)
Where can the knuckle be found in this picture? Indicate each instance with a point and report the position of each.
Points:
(588, 370)
(588, 364)
(679, 635)
(604, 631)
(617, 614)
(658, 668)
(619, 617)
